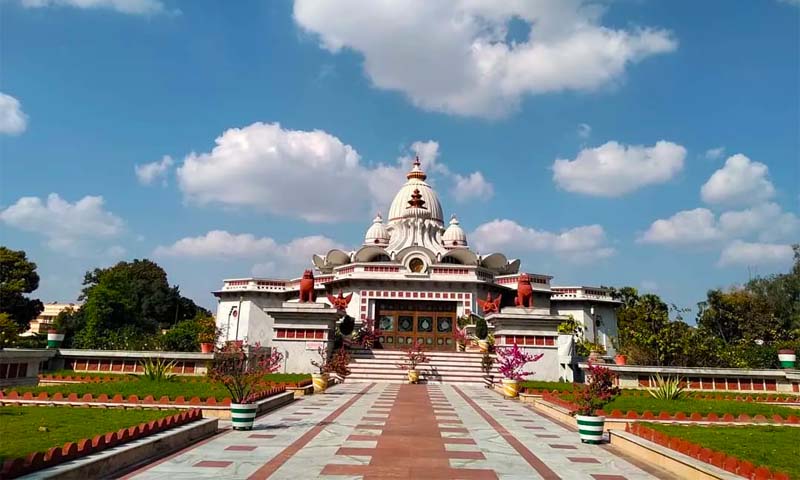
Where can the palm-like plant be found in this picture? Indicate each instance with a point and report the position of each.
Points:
(668, 388)
(158, 369)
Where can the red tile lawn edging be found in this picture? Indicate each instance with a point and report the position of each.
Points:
(133, 399)
(15, 467)
(677, 416)
(707, 455)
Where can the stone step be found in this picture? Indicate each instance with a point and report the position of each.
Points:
(402, 377)
(396, 361)
(447, 371)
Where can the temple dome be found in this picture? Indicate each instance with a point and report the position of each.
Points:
(454, 236)
(416, 199)
(377, 234)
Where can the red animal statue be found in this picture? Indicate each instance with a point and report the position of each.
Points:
(490, 306)
(307, 293)
(524, 296)
(340, 303)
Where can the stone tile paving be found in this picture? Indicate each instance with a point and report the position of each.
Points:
(375, 431)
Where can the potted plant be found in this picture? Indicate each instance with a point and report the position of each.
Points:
(481, 332)
(414, 356)
(512, 360)
(320, 380)
(240, 369)
(209, 333)
(367, 335)
(54, 338)
(339, 364)
(487, 361)
(595, 395)
(619, 358)
(461, 339)
(786, 356)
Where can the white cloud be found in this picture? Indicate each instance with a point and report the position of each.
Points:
(307, 174)
(740, 182)
(684, 228)
(766, 222)
(150, 172)
(584, 130)
(273, 258)
(715, 153)
(455, 57)
(612, 169)
(577, 244)
(473, 186)
(756, 254)
(132, 7)
(13, 120)
(72, 228)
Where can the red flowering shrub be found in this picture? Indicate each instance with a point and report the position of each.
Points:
(414, 356)
(240, 368)
(598, 392)
(512, 360)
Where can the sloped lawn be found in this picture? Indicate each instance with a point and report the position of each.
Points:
(773, 447)
(24, 430)
(688, 406)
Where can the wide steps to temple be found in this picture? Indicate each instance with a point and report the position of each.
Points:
(444, 367)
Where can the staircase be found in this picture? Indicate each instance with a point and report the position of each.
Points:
(444, 367)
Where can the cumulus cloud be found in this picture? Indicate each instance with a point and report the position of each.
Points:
(150, 172)
(273, 258)
(13, 120)
(765, 223)
(613, 169)
(72, 228)
(756, 254)
(307, 174)
(473, 186)
(715, 153)
(577, 244)
(132, 7)
(457, 57)
(683, 228)
(740, 182)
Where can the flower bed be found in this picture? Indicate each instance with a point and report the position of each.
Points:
(687, 410)
(55, 394)
(761, 452)
(77, 429)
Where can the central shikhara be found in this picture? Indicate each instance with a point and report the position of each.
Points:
(414, 276)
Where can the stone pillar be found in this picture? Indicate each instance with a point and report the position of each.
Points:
(299, 330)
(533, 331)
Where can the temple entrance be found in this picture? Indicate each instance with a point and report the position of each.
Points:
(403, 323)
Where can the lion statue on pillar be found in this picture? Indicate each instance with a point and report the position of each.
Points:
(524, 296)
(307, 293)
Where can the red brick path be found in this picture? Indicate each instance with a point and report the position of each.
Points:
(410, 443)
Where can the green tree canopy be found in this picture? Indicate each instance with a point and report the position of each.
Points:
(126, 305)
(17, 277)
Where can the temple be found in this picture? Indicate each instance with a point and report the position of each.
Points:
(414, 275)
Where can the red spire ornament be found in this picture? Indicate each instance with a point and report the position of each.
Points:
(416, 200)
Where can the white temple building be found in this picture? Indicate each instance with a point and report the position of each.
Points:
(414, 275)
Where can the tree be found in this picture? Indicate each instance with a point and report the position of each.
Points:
(17, 277)
(127, 304)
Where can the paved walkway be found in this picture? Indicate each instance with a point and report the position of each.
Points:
(375, 431)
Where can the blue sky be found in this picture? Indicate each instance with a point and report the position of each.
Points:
(645, 143)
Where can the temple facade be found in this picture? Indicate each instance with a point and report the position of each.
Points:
(414, 275)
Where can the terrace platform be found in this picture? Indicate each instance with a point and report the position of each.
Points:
(384, 430)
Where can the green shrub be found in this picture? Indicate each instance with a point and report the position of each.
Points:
(481, 329)
(158, 369)
(667, 388)
(183, 337)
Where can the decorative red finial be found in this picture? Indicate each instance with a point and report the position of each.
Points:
(416, 200)
(417, 163)
(416, 171)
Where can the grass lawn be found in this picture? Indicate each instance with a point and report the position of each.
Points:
(549, 386)
(19, 426)
(187, 387)
(690, 405)
(773, 447)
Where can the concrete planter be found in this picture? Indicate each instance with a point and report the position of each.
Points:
(413, 376)
(320, 382)
(243, 415)
(590, 428)
(786, 357)
(54, 339)
(510, 388)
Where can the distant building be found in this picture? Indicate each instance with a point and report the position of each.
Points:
(45, 319)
